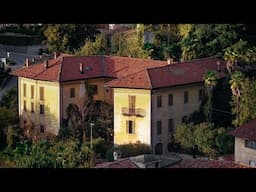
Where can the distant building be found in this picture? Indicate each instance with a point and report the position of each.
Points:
(245, 143)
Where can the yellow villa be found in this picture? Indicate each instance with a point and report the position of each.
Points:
(151, 98)
(46, 89)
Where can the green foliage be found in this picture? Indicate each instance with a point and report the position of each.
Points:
(204, 135)
(205, 138)
(128, 44)
(7, 117)
(10, 99)
(184, 135)
(14, 135)
(210, 81)
(99, 47)
(54, 154)
(128, 150)
(204, 40)
(68, 37)
(224, 141)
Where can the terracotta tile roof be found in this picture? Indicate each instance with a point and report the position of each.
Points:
(66, 68)
(184, 72)
(246, 131)
(121, 163)
(202, 163)
(170, 75)
(37, 71)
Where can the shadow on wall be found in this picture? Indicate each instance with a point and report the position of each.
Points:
(39, 126)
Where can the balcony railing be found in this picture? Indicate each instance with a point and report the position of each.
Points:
(133, 112)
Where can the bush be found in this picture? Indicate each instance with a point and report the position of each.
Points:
(129, 150)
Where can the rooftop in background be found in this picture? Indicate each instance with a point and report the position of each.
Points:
(142, 161)
(246, 131)
(202, 163)
(121, 163)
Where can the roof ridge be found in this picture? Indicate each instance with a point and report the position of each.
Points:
(60, 70)
(185, 62)
(149, 79)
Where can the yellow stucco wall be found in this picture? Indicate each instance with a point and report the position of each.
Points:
(142, 124)
(175, 112)
(80, 93)
(51, 104)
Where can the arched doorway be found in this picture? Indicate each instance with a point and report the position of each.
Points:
(159, 149)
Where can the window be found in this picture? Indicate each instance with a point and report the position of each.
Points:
(24, 90)
(170, 125)
(130, 127)
(184, 119)
(41, 93)
(72, 92)
(42, 129)
(32, 91)
(186, 97)
(170, 99)
(159, 127)
(159, 101)
(132, 100)
(252, 163)
(41, 109)
(250, 144)
(32, 107)
(25, 105)
(200, 94)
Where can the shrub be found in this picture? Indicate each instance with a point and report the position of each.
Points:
(128, 150)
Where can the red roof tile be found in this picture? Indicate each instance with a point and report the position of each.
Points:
(201, 163)
(122, 163)
(184, 72)
(67, 68)
(246, 131)
(170, 75)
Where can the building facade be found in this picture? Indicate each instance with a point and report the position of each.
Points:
(45, 90)
(245, 144)
(151, 104)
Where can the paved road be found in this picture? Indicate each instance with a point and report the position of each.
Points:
(19, 58)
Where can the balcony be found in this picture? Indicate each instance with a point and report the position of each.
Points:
(133, 112)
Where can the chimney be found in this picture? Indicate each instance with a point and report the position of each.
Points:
(46, 64)
(169, 61)
(27, 62)
(218, 66)
(81, 69)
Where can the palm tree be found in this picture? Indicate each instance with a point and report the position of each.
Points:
(235, 84)
(210, 81)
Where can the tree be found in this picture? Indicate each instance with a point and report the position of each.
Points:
(185, 135)
(129, 44)
(236, 81)
(68, 37)
(224, 141)
(205, 134)
(204, 40)
(210, 80)
(99, 47)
